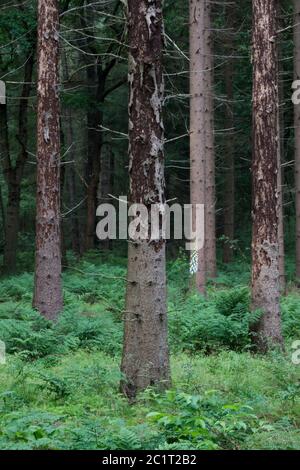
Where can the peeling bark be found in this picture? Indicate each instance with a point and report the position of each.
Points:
(47, 289)
(145, 359)
(265, 249)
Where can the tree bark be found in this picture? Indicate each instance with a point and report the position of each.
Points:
(145, 359)
(297, 131)
(229, 190)
(197, 127)
(48, 289)
(265, 249)
(210, 184)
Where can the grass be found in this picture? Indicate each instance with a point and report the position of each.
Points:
(60, 386)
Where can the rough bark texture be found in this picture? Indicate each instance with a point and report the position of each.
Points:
(297, 131)
(197, 123)
(265, 250)
(210, 186)
(229, 184)
(13, 173)
(145, 359)
(48, 290)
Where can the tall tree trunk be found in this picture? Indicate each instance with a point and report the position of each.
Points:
(48, 289)
(281, 221)
(5, 152)
(63, 245)
(105, 182)
(12, 224)
(229, 190)
(2, 212)
(97, 72)
(280, 180)
(96, 87)
(14, 173)
(265, 249)
(145, 359)
(210, 185)
(197, 128)
(71, 175)
(71, 186)
(94, 135)
(297, 131)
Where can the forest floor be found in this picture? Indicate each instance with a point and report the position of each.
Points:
(59, 388)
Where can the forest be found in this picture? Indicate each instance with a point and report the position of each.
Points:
(149, 225)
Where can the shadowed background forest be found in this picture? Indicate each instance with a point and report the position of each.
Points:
(59, 388)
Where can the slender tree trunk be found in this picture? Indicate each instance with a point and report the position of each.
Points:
(63, 245)
(71, 175)
(281, 238)
(229, 190)
(94, 121)
(145, 359)
(48, 289)
(96, 87)
(280, 180)
(76, 244)
(97, 72)
(281, 224)
(2, 212)
(265, 249)
(297, 131)
(210, 186)
(12, 224)
(71, 186)
(14, 174)
(197, 128)
(105, 183)
(5, 154)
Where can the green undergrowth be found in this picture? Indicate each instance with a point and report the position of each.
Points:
(60, 386)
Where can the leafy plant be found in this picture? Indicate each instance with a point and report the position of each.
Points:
(203, 421)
